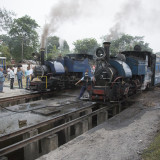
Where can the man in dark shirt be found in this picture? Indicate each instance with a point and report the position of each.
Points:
(19, 77)
(86, 81)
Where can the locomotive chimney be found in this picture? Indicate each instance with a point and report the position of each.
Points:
(42, 56)
(106, 48)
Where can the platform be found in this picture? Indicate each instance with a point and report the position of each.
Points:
(13, 92)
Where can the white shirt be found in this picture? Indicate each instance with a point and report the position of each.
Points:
(15, 70)
(8, 71)
(92, 78)
(31, 71)
(12, 75)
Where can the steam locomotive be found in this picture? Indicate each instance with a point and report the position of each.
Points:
(60, 73)
(124, 75)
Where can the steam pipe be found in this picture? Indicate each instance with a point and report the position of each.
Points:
(42, 55)
(106, 48)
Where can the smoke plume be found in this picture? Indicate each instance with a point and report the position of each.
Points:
(62, 12)
(140, 15)
(61, 43)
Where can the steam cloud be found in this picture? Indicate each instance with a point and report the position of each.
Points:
(68, 10)
(142, 15)
(61, 43)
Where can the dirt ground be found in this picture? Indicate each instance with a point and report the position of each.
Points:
(123, 137)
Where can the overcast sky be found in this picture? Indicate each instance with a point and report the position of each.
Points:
(92, 18)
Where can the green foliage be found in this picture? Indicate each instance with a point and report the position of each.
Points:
(4, 47)
(127, 42)
(54, 48)
(6, 19)
(5, 52)
(5, 39)
(53, 54)
(51, 43)
(86, 46)
(24, 38)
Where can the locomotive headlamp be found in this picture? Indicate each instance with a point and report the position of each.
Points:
(100, 53)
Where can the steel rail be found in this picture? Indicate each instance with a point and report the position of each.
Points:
(32, 95)
(26, 96)
(42, 124)
(49, 132)
(19, 97)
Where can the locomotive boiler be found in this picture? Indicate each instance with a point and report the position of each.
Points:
(124, 75)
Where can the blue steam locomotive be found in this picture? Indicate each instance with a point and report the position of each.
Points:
(60, 73)
(124, 75)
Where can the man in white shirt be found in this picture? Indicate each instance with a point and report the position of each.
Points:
(15, 72)
(12, 76)
(8, 73)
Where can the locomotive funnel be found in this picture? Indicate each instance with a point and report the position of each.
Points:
(42, 56)
(106, 48)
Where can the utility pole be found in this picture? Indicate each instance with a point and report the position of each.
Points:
(22, 49)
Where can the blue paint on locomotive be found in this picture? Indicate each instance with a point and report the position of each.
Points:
(56, 67)
(157, 71)
(77, 66)
(122, 68)
(74, 66)
(137, 66)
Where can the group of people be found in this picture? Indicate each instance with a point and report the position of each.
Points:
(18, 74)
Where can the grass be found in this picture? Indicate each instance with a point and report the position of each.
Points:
(153, 151)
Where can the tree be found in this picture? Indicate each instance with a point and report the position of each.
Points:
(86, 46)
(127, 42)
(56, 46)
(53, 54)
(24, 38)
(51, 43)
(4, 47)
(6, 19)
(5, 39)
(5, 52)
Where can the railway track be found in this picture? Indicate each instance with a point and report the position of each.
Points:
(14, 100)
(49, 127)
(64, 127)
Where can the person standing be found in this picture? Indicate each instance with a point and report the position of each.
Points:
(85, 80)
(12, 76)
(15, 72)
(19, 77)
(31, 73)
(2, 79)
(27, 75)
(8, 73)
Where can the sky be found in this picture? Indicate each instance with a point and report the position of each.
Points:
(77, 19)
